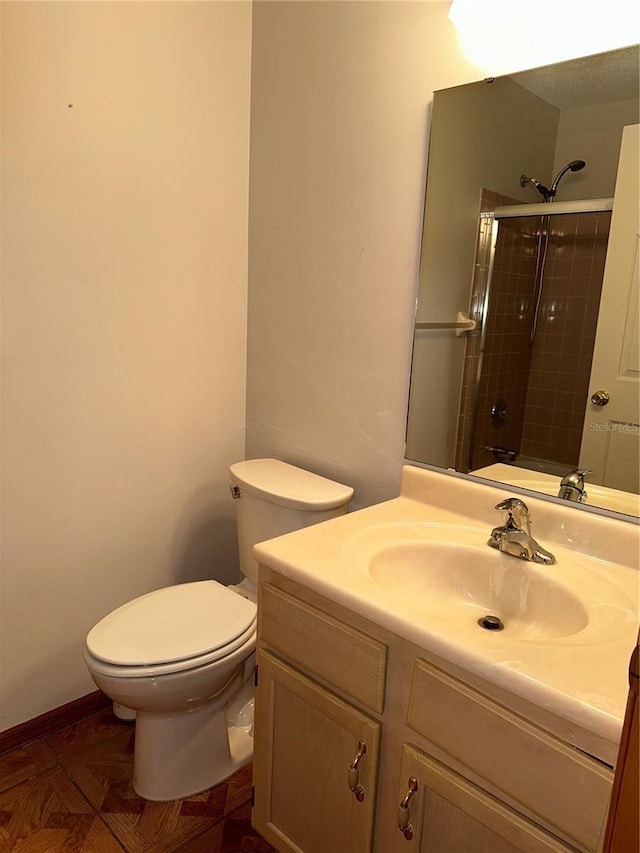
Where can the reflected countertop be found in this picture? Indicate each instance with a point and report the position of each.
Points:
(603, 497)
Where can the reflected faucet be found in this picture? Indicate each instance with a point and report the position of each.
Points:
(514, 536)
(572, 486)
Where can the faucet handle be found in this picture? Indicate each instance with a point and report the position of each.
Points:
(516, 513)
(572, 485)
(576, 477)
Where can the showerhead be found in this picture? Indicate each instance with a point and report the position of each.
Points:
(573, 166)
(548, 194)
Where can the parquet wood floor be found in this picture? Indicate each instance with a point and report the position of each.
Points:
(70, 792)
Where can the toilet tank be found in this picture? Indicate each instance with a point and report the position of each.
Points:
(273, 498)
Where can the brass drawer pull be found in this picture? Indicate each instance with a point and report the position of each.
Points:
(404, 817)
(354, 773)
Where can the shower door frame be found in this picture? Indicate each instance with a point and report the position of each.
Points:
(479, 312)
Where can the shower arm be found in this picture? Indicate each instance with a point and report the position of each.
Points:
(549, 194)
(524, 180)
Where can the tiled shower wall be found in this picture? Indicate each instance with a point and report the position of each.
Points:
(469, 390)
(565, 337)
(544, 386)
(506, 356)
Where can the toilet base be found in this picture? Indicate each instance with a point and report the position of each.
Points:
(127, 715)
(179, 755)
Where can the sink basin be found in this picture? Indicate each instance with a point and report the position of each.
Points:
(460, 582)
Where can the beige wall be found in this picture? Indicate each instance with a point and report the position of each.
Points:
(124, 229)
(593, 134)
(340, 95)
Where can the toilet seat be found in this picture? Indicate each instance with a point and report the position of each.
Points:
(171, 630)
(115, 670)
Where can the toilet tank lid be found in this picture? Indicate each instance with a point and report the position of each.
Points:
(286, 485)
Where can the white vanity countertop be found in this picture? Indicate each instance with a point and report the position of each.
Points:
(581, 678)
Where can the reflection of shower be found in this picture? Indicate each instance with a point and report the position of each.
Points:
(541, 260)
(536, 295)
(573, 166)
(543, 235)
(549, 194)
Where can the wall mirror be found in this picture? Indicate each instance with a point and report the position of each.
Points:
(525, 359)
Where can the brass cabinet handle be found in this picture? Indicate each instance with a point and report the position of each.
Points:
(354, 772)
(404, 817)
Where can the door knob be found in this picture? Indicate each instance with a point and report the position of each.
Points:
(600, 398)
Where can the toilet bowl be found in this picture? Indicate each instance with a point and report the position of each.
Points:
(180, 660)
(179, 678)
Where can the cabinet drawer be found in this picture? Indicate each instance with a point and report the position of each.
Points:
(339, 654)
(564, 787)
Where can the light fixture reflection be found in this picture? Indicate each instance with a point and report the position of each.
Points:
(504, 36)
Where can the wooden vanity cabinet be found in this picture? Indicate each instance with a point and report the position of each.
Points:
(316, 754)
(441, 812)
(349, 717)
(315, 765)
(560, 784)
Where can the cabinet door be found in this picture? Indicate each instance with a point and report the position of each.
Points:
(311, 750)
(443, 813)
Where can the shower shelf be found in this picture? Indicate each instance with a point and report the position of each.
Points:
(463, 323)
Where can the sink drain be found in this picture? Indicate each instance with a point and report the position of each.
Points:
(491, 623)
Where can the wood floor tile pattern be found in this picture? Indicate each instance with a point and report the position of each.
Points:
(71, 792)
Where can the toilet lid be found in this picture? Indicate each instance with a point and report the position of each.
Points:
(171, 624)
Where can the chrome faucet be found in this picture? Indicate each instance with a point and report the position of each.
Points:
(572, 486)
(514, 536)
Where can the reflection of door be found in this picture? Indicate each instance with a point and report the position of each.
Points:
(611, 436)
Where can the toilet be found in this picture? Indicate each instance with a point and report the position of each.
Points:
(180, 660)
